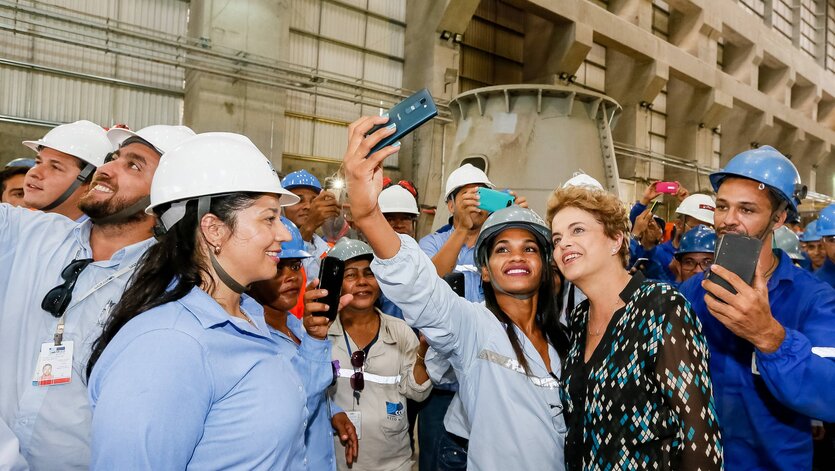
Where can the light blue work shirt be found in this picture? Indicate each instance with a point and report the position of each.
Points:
(52, 423)
(516, 420)
(10, 457)
(764, 400)
(431, 245)
(187, 386)
(318, 437)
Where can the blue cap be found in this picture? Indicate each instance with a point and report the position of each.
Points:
(769, 167)
(700, 239)
(293, 248)
(21, 162)
(826, 221)
(810, 234)
(301, 179)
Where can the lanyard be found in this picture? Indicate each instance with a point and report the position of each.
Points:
(367, 347)
(59, 331)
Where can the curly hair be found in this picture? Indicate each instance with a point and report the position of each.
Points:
(606, 209)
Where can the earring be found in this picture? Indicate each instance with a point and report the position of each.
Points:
(217, 250)
(614, 250)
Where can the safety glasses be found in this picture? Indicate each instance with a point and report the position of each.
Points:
(58, 298)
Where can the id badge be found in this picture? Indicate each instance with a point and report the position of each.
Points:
(355, 417)
(54, 364)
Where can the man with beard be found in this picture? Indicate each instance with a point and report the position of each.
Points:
(58, 281)
(67, 157)
(771, 344)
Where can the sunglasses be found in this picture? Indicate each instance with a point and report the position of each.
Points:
(357, 379)
(292, 264)
(58, 298)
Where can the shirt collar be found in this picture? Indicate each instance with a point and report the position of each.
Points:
(294, 324)
(386, 336)
(633, 285)
(128, 253)
(783, 272)
(210, 314)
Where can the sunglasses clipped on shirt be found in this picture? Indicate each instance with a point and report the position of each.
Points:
(58, 298)
(357, 379)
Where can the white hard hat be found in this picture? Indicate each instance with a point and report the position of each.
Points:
(396, 199)
(583, 180)
(162, 136)
(698, 206)
(213, 163)
(82, 139)
(466, 174)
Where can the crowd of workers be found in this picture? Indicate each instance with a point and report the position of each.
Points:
(160, 309)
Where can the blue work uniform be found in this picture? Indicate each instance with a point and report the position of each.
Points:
(52, 423)
(187, 386)
(826, 272)
(765, 400)
(528, 434)
(318, 437)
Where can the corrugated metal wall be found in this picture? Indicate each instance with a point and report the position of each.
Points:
(363, 40)
(44, 79)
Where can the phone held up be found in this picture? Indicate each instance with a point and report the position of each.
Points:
(669, 188)
(331, 273)
(738, 254)
(408, 115)
(492, 200)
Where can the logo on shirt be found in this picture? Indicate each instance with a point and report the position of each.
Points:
(394, 410)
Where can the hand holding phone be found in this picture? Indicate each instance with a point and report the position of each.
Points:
(738, 254)
(407, 116)
(669, 188)
(492, 200)
(331, 273)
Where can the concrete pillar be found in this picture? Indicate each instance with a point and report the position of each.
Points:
(213, 103)
(433, 63)
(743, 129)
(553, 48)
(633, 83)
(637, 12)
(692, 115)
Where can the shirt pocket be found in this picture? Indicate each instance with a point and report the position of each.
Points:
(394, 422)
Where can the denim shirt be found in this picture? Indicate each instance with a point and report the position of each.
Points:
(187, 386)
(52, 423)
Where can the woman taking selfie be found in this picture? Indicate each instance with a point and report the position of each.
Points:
(186, 373)
(505, 354)
(380, 366)
(637, 380)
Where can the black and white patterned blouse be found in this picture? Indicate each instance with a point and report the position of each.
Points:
(644, 400)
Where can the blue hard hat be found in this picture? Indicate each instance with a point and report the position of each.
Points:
(293, 248)
(21, 162)
(826, 221)
(301, 179)
(769, 167)
(700, 239)
(810, 233)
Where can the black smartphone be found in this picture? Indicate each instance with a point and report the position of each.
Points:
(330, 278)
(739, 254)
(455, 280)
(408, 115)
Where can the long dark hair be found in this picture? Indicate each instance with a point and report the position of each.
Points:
(547, 312)
(173, 260)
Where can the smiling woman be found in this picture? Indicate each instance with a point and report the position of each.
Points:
(638, 387)
(506, 353)
(184, 329)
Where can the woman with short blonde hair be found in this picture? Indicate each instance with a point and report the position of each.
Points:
(637, 381)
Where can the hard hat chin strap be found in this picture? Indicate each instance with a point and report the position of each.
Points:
(203, 205)
(125, 213)
(503, 291)
(83, 177)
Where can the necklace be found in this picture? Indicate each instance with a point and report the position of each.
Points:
(602, 326)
